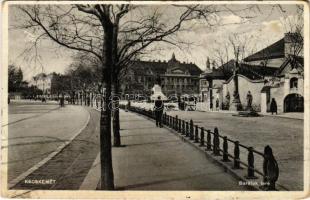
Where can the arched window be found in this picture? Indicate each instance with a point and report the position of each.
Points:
(294, 82)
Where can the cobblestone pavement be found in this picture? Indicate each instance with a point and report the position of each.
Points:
(69, 167)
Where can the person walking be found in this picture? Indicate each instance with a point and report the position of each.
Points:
(273, 106)
(158, 108)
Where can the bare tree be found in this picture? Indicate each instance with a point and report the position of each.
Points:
(294, 26)
(110, 34)
(114, 35)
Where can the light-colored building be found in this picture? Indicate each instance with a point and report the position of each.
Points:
(273, 72)
(287, 87)
(43, 82)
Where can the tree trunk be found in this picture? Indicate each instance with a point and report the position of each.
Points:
(107, 176)
(116, 121)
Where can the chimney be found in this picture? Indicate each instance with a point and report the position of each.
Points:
(293, 44)
(208, 63)
(214, 64)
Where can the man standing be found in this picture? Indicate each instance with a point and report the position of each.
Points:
(273, 106)
(158, 108)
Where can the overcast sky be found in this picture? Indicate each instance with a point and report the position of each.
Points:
(265, 26)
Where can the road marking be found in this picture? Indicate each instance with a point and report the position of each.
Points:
(45, 160)
(92, 178)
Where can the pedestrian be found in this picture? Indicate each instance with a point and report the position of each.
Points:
(127, 105)
(159, 108)
(217, 104)
(273, 106)
(62, 100)
(88, 100)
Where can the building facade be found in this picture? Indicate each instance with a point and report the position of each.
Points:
(275, 72)
(43, 82)
(177, 78)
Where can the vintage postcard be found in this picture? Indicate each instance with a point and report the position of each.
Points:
(155, 99)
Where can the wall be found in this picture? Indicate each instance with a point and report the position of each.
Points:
(245, 85)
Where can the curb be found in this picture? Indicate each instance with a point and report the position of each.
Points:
(278, 116)
(92, 179)
(22, 176)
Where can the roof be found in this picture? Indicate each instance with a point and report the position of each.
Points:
(252, 72)
(292, 61)
(224, 72)
(275, 50)
(161, 67)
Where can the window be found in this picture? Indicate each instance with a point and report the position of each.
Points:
(294, 82)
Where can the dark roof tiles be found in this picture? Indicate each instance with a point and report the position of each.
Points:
(155, 67)
(275, 50)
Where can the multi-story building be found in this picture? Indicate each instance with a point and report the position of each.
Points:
(177, 78)
(43, 82)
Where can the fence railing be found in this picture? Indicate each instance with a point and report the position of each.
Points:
(212, 141)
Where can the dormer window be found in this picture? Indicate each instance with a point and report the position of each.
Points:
(294, 83)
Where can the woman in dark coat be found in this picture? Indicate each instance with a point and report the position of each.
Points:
(273, 106)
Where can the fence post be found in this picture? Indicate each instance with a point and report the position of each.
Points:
(225, 150)
(180, 126)
(202, 137)
(250, 164)
(208, 140)
(168, 120)
(164, 118)
(191, 136)
(187, 130)
(183, 128)
(176, 123)
(216, 142)
(270, 167)
(196, 134)
(237, 156)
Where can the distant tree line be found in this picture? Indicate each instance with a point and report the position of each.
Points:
(17, 84)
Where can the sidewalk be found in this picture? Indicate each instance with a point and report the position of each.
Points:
(156, 159)
(292, 115)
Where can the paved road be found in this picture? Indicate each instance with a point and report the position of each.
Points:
(36, 129)
(69, 168)
(285, 136)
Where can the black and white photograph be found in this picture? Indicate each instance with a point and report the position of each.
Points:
(155, 96)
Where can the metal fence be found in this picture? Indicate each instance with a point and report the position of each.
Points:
(218, 145)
